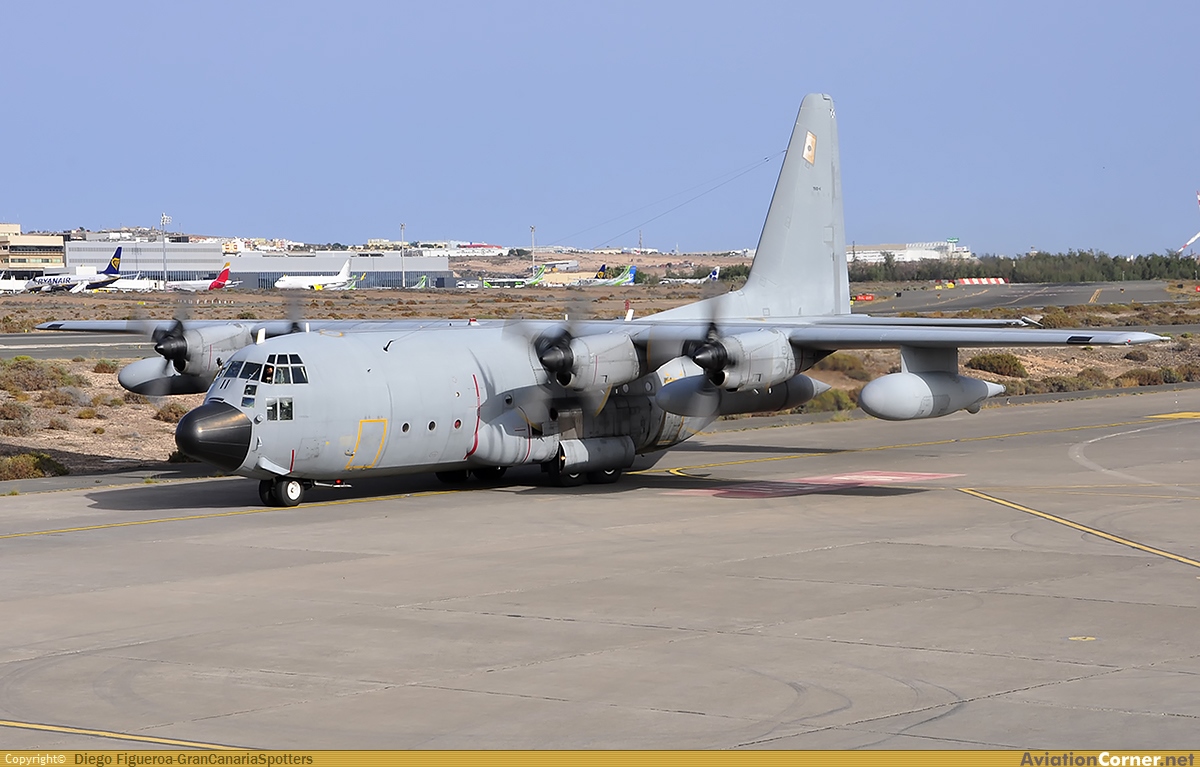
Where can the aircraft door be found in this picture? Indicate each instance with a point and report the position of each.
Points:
(369, 445)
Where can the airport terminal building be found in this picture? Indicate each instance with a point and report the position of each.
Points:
(259, 269)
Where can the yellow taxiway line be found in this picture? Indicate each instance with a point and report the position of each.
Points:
(115, 735)
(429, 493)
(1095, 295)
(1080, 527)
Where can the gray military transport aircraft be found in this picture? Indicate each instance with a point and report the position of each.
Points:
(297, 405)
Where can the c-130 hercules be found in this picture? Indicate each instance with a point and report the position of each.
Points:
(582, 399)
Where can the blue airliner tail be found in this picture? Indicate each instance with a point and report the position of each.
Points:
(114, 264)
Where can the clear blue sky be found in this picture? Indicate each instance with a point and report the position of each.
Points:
(1006, 124)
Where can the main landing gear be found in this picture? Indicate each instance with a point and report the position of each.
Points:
(282, 491)
(560, 478)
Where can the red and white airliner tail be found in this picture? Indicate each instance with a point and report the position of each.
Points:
(221, 280)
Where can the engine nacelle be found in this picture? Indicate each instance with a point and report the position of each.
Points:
(595, 454)
(602, 361)
(756, 360)
(509, 440)
(156, 377)
(209, 347)
(906, 396)
(791, 393)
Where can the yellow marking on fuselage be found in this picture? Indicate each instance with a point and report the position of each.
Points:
(115, 735)
(1080, 527)
(358, 441)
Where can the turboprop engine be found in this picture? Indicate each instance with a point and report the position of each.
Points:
(688, 390)
(594, 362)
(753, 360)
(906, 396)
(190, 359)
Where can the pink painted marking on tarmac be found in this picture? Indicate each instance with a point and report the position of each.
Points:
(783, 488)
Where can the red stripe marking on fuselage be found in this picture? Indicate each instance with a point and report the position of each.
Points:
(475, 444)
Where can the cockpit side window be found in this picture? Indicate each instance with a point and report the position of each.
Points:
(233, 369)
(298, 374)
(250, 371)
(279, 409)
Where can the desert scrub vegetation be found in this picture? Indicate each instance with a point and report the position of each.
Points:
(11, 324)
(846, 364)
(30, 466)
(13, 411)
(105, 366)
(27, 374)
(14, 419)
(830, 401)
(178, 456)
(171, 412)
(1000, 363)
(66, 396)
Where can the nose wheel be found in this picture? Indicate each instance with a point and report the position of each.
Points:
(281, 491)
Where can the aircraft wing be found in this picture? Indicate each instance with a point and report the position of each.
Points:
(845, 332)
(835, 337)
(819, 333)
(271, 327)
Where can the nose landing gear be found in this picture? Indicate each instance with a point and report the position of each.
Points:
(282, 491)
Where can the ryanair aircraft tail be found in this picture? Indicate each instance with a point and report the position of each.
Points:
(114, 264)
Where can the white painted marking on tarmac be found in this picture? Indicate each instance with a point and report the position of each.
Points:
(1076, 455)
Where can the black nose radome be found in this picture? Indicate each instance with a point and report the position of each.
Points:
(216, 433)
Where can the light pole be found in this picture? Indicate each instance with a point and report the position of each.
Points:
(164, 220)
(403, 250)
(532, 250)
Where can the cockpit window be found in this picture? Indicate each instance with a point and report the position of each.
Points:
(279, 369)
(250, 371)
(234, 368)
(279, 409)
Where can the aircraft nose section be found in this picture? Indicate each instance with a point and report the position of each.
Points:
(216, 433)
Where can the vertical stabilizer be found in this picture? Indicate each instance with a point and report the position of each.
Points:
(114, 264)
(799, 268)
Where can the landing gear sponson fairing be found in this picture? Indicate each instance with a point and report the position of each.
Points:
(295, 405)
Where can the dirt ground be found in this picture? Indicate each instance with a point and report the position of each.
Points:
(99, 431)
(124, 434)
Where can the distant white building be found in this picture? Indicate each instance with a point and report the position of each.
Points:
(906, 252)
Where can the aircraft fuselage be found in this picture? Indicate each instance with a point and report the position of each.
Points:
(328, 406)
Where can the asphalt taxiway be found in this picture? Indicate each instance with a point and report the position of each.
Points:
(1018, 296)
(1024, 577)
